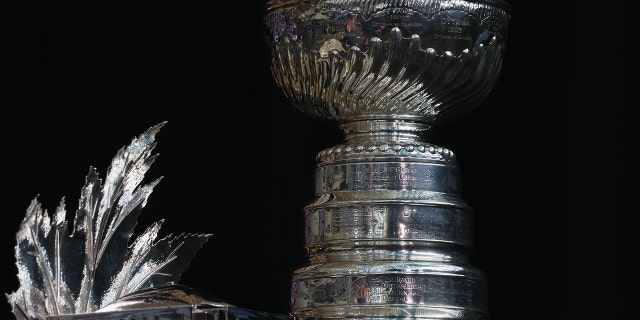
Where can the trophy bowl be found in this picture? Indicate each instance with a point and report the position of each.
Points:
(426, 61)
(388, 233)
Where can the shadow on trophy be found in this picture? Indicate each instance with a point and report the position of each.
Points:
(388, 234)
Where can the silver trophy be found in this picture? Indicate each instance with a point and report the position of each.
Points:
(388, 234)
(98, 268)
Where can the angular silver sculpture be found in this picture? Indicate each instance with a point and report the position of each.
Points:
(173, 302)
(91, 267)
(388, 234)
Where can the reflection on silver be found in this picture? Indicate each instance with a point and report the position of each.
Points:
(175, 302)
(388, 234)
(79, 272)
(421, 60)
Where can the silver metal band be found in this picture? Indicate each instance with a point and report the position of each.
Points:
(391, 290)
(391, 175)
(388, 223)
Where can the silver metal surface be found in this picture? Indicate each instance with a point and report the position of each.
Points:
(388, 234)
(412, 60)
(171, 302)
(64, 273)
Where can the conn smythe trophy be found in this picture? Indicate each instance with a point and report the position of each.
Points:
(388, 234)
(95, 269)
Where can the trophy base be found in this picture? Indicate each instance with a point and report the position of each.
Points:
(388, 236)
(176, 313)
(174, 302)
(387, 312)
(390, 289)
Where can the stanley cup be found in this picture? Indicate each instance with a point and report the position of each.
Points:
(388, 234)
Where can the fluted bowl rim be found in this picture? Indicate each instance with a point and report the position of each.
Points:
(430, 103)
(502, 4)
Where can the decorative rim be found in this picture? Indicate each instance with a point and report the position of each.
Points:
(502, 4)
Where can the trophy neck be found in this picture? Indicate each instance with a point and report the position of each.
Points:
(383, 131)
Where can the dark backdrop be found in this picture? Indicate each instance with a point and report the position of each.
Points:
(544, 158)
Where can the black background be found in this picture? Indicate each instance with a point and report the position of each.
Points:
(544, 158)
